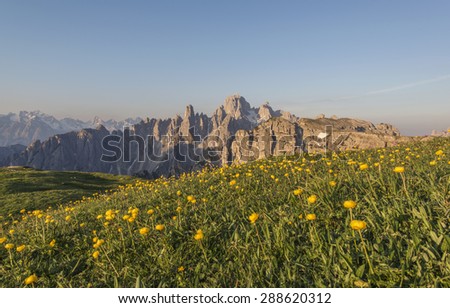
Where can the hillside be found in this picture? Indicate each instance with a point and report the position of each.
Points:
(30, 189)
(373, 218)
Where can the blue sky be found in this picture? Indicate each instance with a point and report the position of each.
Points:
(385, 61)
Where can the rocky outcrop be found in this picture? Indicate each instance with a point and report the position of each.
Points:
(275, 137)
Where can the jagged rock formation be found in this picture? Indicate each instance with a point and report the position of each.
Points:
(236, 132)
(274, 137)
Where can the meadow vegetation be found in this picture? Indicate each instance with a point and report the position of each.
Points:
(373, 218)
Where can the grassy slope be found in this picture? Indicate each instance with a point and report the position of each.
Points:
(25, 188)
(406, 242)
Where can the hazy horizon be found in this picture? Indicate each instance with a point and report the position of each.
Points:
(381, 61)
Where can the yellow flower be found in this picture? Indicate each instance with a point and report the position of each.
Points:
(11, 231)
(332, 183)
(190, 198)
(363, 167)
(144, 230)
(361, 284)
(298, 192)
(349, 204)
(253, 217)
(150, 212)
(433, 163)
(199, 235)
(181, 269)
(178, 193)
(399, 169)
(31, 279)
(233, 182)
(312, 199)
(2, 240)
(20, 248)
(67, 218)
(98, 244)
(52, 243)
(159, 227)
(439, 153)
(9, 246)
(95, 254)
(310, 217)
(358, 225)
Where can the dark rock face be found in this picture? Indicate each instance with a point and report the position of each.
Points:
(234, 133)
(10, 153)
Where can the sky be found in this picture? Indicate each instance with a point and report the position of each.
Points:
(383, 61)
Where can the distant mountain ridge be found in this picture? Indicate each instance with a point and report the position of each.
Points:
(235, 132)
(28, 126)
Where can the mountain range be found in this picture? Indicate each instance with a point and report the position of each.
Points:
(27, 127)
(235, 132)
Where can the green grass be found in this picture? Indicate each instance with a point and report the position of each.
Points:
(406, 242)
(30, 189)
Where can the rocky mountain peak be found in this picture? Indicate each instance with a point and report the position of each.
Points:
(189, 112)
(236, 106)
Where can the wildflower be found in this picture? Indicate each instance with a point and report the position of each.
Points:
(31, 279)
(399, 169)
(20, 248)
(439, 153)
(181, 269)
(98, 244)
(253, 217)
(349, 204)
(150, 212)
(95, 254)
(332, 183)
(310, 217)
(190, 198)
(2, 240)
(159, 227)
(363, 167)
(233, 182)
(298, 192)
(52, 243)
(358, 224)
(179, 209)
(312, 199)
(361, 284)
(11, 231)
(199, 235)
(433, 163)
(178, 193)
(144, 231)
(9, 246)
(22, 211)
(82, 225)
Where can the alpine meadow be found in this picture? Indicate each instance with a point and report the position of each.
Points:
(357, 218)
